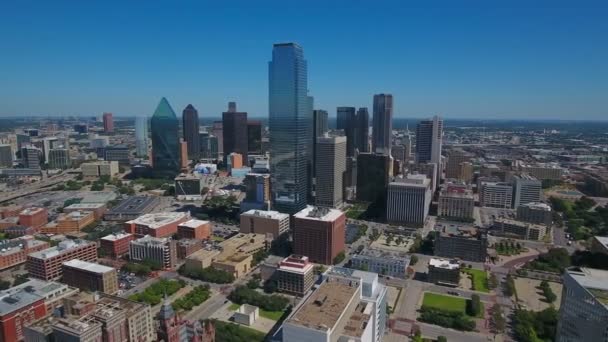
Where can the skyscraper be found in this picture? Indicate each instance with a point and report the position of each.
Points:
(362, 130)
(382, 127)
(290, 124)
(6, 155)
(254, 136)
(190, 128)
(141, 136)
(428, 141)
(320, 127)
(235, 132)
(165, 138)
(347, 121)
(108, 123)
(329, 170)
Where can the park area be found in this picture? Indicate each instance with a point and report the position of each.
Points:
(450, 311)
(531, 296)
(479, 279)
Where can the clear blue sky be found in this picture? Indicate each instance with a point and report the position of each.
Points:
(472, 61)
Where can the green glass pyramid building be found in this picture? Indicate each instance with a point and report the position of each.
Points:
(164, 127)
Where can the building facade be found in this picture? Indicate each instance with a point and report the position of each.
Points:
(319, 233)
(496, 195)
(527, 189)
(90, 276)
(409, 200)
(47, 264)
(190, 131)
(159, 250)
(165, 138)
(382, 130)
(295, 275)
(235, 132)
(444, 271)
(264, 222)
(329, 171)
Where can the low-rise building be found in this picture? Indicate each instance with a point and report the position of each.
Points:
(33, 217)
(599, 244)
(160, 250)
(73, 221)
(188, 187)
(99, 168)
(131, 208)
(519, 229)
(10, 211)
(194, 229)
(533, 212)
(163, 224)
(116, 245)
(543, 171)
(90, 276)
(47, 264)
(14, 252)
(246, 314)
(185, 247)
(444, 272)
(98, 209)
(264, 222)
(461, 242)
(295, 275)
(387, 263)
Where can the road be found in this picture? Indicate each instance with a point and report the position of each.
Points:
(29, 189)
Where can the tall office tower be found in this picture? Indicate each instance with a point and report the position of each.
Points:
(382, 126)
(23, 139)
(372, 177)
(409, 200)
(320, 127)
(496, 195)
(429, 135)
(319, 233)
(59, 158)
(6, 155)
(347, 121)
(453, 166)
(141, 136)
(234, 125)
(30, 155)
(583, 309)
(329, 170)
(291, 130)
(254, 136)
(108, 123)
(527, 189)
(231, 107)
(191, 127)
(362, 130)
(165, 138)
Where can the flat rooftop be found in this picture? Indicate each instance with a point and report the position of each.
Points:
(134, 205)
(157, 220)
(537, 205)
(271, 214)
(319, 214)
(149, 240)
(115, 236)
(455, 229)
(88, 266)
(85, 206)
(324, 307)
(444, 263)
(194, 223)
(15, 300)
(31, 211)
(62, 247)
(519, 223)
(593, 280)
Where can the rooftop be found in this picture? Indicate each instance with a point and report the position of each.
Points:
(157, 220)
(88, 266)
(116, 236)
(538, 206)
(593, 280)
(194, 223)
(444, 263)
(455, 229)
(134, 204)
(27, 293)
(518, 223)
(84, 206)
(98, 197)
(319, 214)
(150, 240)
(324, 307)
(382, 254)
(271, 214)
(62, 247)
(358, 320)
(31, 211)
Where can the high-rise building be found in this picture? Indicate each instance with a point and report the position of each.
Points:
(496, 195)
(254, 136)
(382, 126)
(319, 233)
(165, 138)
(30, 156)
(160, 250)
(90, 276)
(291, 131)
(362, 130)
(534, 212)
(408, 200)
(59, 158)
(348, 120)
(6, 155)
(329, 171)
(218, 131)
(372, 177)
(235, 133)
(264, 222)
(527, 189)
(429, 135)
(583, 308)
(108, 123)
(141, 136)
(453, 168)
(190, 127)
(257, 192)
(320, 127)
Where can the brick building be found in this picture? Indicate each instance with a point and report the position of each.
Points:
(90, 276)
(194, 229)
(33, 217)
(116, 245)
(319, 233)
(14, 252)
(74, 221)
(46, 264)
(157, 225)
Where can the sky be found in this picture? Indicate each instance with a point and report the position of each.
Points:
(474, 60)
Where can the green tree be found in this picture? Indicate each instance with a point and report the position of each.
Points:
(474, 306)
(492, 281)
(442, 339)
(413, 260)
(339, 258)
(389, 239)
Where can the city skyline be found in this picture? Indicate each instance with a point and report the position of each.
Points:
(484, 62)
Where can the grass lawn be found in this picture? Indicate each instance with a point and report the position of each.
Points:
(234, 306)
(273, 315)
(447, 303)
(480, 279)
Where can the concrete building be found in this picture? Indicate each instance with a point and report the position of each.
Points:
(444, 272)
(257, 192)
(496, 195)
(108, 123)
(98, 209)
(33, 217)
(584, 306)
(46, 264)
(264, 222)
(391, 264)
(14, 252)
(194, 229)
(319, 233)
(159, 225)
(120, 154)
(160, 250)
(461, 242)
(295, 275)
(99, 168)
(349, 305)
(116, 245)
(519, 230)
(373, 171)
(429, 140)
(456, 204)
(453, 166)
(90, 276)
(188, 187)
(543, 171)
(408, 200)
(73, 221)
(527, 189)
(246, 314)
(59, 158)
(382, 124)
(6, 155)
(431, 170)
(186, 247)
(533, 212)
(329, 171)
(131, 208)
(30, 156)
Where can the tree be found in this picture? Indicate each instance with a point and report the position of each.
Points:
(4, 284)
(339, 258)
(399, 240)
(319, 269)
(413, 260)
(498, 320)
(492, 281)
(253, 284)
(474, 306)
(389, 239)
(442, 339)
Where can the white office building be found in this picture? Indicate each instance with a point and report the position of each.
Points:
(408, 200)
(527, 190)
(496, 195)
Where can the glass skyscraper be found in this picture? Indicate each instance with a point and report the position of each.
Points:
(290, 125)
(141, 136)
(165, 138)
(382, 125)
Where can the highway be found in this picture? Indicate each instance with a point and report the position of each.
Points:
(29, 189)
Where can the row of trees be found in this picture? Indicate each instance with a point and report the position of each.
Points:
(244, 295)
(142, 269)
(530, 326)
(193, 298)
(208, 274)
(154, 293)
(555, 260)
(473, 307)
(508, 248)
(544, 286)
(509, 287)
(447, 319)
